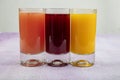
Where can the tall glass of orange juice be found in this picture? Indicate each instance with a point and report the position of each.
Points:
(83, 32)
(31, 27)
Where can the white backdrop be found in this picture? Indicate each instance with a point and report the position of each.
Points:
(108, 20)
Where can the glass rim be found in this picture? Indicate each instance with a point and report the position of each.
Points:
(57, 10)
(84, 11)
(31, 10)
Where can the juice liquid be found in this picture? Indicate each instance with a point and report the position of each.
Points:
(83, 31)
(57, 33)
(31, 32)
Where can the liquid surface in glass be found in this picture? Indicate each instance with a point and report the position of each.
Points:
(57, 33)
(31, 32)
(83, 31)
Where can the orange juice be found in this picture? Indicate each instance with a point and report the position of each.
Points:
(31, 32)
(83, 31)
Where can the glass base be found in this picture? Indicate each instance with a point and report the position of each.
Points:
(57, 60)
(32, 60)
(82, 60)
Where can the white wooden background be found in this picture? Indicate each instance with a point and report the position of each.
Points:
(108, 12)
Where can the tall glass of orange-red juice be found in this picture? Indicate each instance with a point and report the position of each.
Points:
(83, 32)
(31, 28)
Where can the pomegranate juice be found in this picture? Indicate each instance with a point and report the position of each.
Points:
(57, 33)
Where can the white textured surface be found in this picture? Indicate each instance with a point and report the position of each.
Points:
(107, 66)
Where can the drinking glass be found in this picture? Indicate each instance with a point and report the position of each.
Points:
(83, 33)
(31, 28)
(57, 36)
